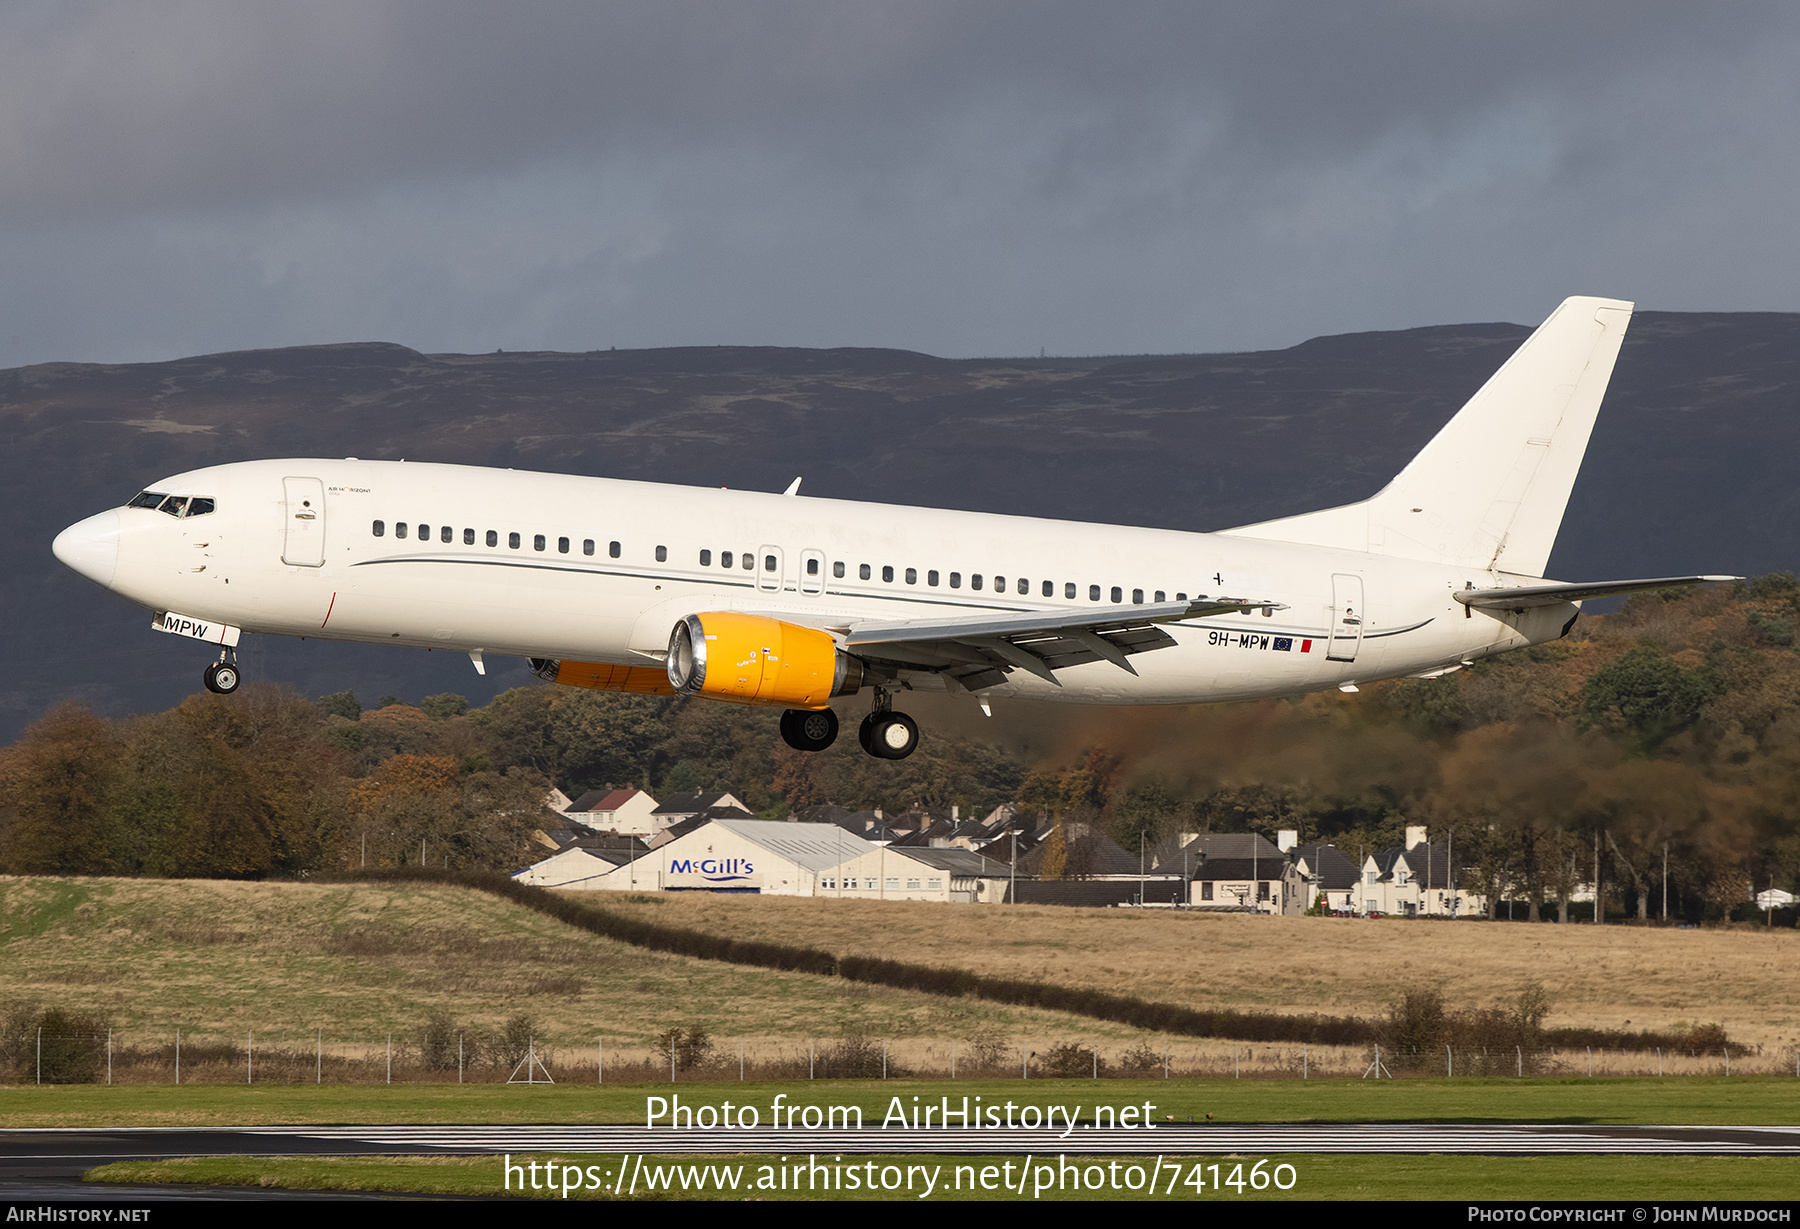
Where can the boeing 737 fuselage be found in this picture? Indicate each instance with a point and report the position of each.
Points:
(793, 601)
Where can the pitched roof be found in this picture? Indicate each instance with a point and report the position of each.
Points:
(1245, 845)
(960, 862)
(815, 847)
(1431, 865)
(1329, 866)
(603, 800)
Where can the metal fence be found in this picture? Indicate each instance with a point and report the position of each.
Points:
(179, 1056)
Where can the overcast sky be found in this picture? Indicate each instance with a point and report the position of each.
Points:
(959, 178)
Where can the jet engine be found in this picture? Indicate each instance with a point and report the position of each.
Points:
(751, 659)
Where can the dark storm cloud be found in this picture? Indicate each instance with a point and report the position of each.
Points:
(957, 177)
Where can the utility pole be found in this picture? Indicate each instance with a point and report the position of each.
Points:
(1599, 909)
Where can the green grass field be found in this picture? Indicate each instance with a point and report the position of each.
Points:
(961, 1177)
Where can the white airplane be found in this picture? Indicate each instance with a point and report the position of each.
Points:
(785, 600)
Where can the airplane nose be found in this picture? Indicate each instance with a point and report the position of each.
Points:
(91, 547)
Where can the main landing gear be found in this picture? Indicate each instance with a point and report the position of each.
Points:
(809, 729)
(884, 734)
(222, 678)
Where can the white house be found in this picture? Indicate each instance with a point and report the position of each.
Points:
(629, 812)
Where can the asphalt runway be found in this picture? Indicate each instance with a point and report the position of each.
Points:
(42, 1160)
(46, 1165)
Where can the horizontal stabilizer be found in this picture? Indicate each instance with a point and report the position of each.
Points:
(1527, 596)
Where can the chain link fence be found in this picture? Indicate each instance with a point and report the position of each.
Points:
(47, 1053)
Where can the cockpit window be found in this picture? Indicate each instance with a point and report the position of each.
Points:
(174, 505)
(199, 506)
(146, 499)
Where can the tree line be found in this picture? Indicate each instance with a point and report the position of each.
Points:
(1670, 729)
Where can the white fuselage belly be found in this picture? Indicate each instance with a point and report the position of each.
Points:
(532, 602)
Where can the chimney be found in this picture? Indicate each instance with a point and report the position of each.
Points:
(878, 814)
(1287, 838)
(1415, 835)
(955, 813)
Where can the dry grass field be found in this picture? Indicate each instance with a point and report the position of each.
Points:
(1746, 978)
(219, 959)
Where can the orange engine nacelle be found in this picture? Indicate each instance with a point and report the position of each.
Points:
(641, 680)
(756, 660)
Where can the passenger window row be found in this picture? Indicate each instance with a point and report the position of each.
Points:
(747, 561)
(933, 579)
(514, 541)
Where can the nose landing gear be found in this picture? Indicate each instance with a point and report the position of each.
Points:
(222, 678)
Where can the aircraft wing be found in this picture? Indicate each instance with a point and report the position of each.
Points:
(1552, 594)
(981, 650)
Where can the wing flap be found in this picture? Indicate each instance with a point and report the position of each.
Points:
(982, 650)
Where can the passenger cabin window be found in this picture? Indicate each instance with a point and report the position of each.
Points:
(1181, 597)
(931, 578)
(424, 533)
(512, 540)
(1049, 588)
(493, 538)
(706, 559)
(562, 546)
(1161, 596)
(999, 584)
(837, 569)
(1137, 597)
(1118, 595)
(587, 546)
(379, 528)
(662, 554)
(812, 567)
(975, 580)
(769, 564)
(863, 571)
(1024, 587)
(537, 542)
(1093, 593)
(468, 537)
(912, 576)
(612, 548)
(724, 558)
(446, 534)
(747, 561)
(400, 529)
(887, 574)
(1069, 589)
(956, 580)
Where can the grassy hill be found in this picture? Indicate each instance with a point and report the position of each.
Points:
(1623, 977)
(218, 959)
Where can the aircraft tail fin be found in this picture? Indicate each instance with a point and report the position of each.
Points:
(1490, 489)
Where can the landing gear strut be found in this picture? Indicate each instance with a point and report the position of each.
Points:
(885, 734)
(809, 729)
(222, 678)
